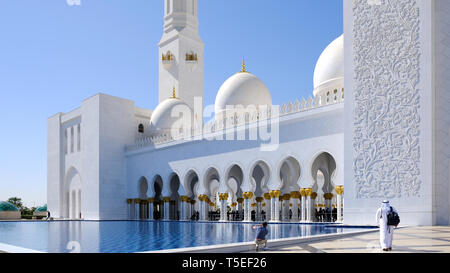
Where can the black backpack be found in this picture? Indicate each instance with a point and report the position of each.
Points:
(393, 218)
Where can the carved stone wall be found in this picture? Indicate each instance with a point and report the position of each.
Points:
(386, 98)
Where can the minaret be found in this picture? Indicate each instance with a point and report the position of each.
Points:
(181, 53)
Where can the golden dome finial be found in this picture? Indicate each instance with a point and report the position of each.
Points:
(174, 96)
(243, 65)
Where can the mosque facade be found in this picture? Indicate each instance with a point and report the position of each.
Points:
(387, 138)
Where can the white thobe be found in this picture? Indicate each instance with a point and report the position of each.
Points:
(386, 232)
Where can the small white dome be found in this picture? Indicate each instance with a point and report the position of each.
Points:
(329, 71)
(162, 120)
(244, 89)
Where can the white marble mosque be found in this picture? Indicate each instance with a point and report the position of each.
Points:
(252, 160)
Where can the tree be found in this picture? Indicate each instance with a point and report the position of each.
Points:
(16, 201)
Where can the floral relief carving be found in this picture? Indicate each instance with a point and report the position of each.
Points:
(386, 117)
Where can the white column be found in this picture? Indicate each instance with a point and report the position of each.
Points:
(136, 209)
(223, 210)
(191, 209)
(240, 207)
(308, 208)
(313, 198)
(203, 210)
(339, 207)
(277, 209)
(223, 197)
(285, 207)
(166, 208)
(182, 210)
(294, 202)
(275, 206)
(150, 209)
(188, 208)
(247, 206)
(340, 192)
(268, 208)
(284, 210)
(208, 209)
(246, 209)
(303, 206)
(272, 209)
(258, 214)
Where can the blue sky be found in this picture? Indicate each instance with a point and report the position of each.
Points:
(53, 55)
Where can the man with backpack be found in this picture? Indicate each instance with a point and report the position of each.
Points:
(387, 218)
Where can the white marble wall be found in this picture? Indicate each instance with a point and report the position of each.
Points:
(442, 112)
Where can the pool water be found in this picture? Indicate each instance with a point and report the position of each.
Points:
(137, 236)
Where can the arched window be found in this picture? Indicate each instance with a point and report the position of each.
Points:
(141, 128)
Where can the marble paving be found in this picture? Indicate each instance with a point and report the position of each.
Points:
(435, 239)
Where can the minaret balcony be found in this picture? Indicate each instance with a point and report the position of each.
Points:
(168, 60)
(191, 60)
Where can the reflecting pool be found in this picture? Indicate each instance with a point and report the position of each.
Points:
(136, 236)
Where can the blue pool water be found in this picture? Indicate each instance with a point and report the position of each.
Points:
(136, 236)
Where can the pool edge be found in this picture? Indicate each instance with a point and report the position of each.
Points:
(242, 247)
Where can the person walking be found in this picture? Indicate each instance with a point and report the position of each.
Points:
(386, 229)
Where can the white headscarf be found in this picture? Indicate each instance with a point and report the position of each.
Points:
(385, 207)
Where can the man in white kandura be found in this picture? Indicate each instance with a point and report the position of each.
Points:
(386, 230)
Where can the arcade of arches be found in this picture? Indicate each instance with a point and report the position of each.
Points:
(266, 196)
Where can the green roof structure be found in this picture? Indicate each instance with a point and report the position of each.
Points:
(6, 206)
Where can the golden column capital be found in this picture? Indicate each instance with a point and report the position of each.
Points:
(240, 200)
(328, 196)
(295, 194)
(193, 202)
(233, 205)
(202, 197)
(259, 199)
(267, 196)
(275, 194)
(286, 197)
(129, 201)
(253, 205)
(223, 196)
(303, 192)
(166, 199)
(137, 200)
(308, 191)
(184, 198)
(247, 195)
(151, 200)
(339, 190)
(263, 205)
(313, 195)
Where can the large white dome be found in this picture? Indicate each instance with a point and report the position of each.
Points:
(329, 71)
(162, 120)
(243, 89)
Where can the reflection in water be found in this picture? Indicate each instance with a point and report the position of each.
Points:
(135, 236)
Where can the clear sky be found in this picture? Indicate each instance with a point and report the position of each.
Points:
(53, 55)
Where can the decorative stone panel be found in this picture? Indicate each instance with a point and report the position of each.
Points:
(386, 95)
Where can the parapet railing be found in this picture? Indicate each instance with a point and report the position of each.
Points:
(245, 118)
